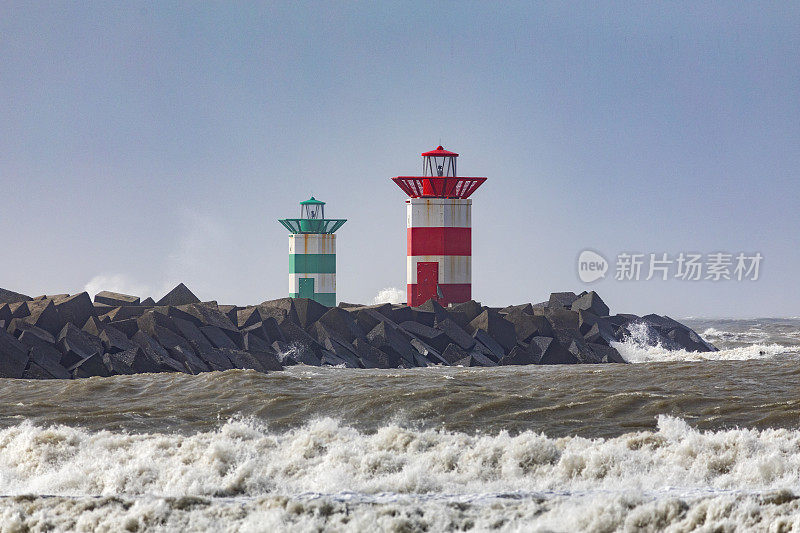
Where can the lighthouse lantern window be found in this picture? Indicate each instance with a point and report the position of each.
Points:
(312, 209)
(439, 163)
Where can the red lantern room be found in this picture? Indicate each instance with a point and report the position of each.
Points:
(439, 178)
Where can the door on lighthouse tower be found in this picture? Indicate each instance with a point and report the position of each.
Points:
(306, 289)
(427, 281)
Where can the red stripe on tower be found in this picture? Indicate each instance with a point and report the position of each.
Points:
(439, 241)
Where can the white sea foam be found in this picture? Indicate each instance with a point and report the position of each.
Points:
(639, 347)
(244, 458)
(751, 335)
(244, 476)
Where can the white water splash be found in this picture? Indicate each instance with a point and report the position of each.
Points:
(245, 477)
(391, 295)
(640, 347)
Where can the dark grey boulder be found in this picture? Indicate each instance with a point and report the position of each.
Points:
(343, 351)
(427, 318)
(9, 297)
(591, 302)
(308, 311)
(216, 358)
(268, 360)
(465, 312)
(76, 309)
(34, 336)
(43, 314)
(76, 345)
(180, 295)
(152, 320)
(218, 338)
(5, 313)
(561, 318)
(19, 309)
(115, 299)
(93, 326)
(331, 359)
(281, 310)
(254, 343)
(520, 355)
(184, 353)
(193, 334)
(181, 312)
(553, 353)
(435, 308)
(474, 359)
(431, 354)
(231, 311)
(243, 360)
(402, 313)
(498, 328)
(114, 340)
(18, 327)
(662, 324)
(604, 328)
(454, 353)
(157, 353)
(303, 348)
(34, 371)
(492, 347)
(13, 356)
(372, 357)
(390, 340)
(248, 317)
(131, 361)
(482, 359)
(622, 319)
(561, 299)
(92, 366)
(607, 354)
(432, 336)
(369, 317)
(211, 316)
(268, 330)
(526, 309)
(456, 334)
(129, 311)
(342, 323)
(128, 327)
(689, 340)
(572, 341)
(527, 326)
(48, 358)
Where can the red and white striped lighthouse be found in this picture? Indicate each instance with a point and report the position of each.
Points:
(439, 222)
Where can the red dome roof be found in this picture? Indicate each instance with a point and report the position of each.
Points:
(440, 152)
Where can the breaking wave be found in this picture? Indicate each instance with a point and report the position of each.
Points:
(328, 474)
(638, 347)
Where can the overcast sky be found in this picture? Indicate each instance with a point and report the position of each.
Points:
(144, 144)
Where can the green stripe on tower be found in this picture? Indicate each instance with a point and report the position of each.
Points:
(312, 263)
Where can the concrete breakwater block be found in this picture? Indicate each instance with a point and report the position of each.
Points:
(70, 336)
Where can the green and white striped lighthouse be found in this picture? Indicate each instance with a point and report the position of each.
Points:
(312, 253)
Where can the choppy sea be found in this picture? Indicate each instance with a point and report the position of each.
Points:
(675, 442)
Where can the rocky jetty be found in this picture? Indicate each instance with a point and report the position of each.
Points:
(70, 336)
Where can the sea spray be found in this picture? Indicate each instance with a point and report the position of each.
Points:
(245, 458)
